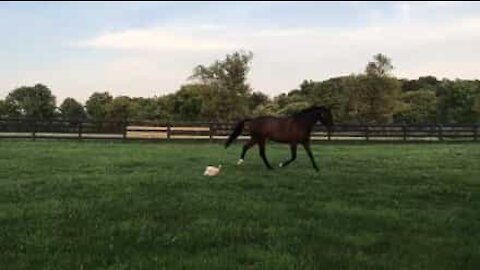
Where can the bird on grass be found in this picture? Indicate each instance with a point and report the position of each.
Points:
(212, 170)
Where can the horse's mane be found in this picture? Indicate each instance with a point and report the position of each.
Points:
(308, 110)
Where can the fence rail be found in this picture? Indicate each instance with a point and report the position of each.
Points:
(157, 130)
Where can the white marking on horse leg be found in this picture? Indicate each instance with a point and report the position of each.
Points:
(280, 165)
(240, 161)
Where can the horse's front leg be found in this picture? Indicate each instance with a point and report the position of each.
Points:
(261, 147)
(245, 148)
(306, 145)
(293, 150)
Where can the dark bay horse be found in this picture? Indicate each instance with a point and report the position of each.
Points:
(291, 130)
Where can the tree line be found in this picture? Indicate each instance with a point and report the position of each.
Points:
(220, 92)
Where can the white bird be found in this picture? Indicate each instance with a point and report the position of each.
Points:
(212, 170)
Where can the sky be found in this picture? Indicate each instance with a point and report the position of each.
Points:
(146, 49)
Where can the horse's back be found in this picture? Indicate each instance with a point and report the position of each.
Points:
(279, 129)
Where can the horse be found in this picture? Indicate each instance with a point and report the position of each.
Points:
(292, 130)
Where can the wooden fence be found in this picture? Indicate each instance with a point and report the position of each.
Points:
(154, 130)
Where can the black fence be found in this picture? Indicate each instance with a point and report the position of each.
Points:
(157, 130)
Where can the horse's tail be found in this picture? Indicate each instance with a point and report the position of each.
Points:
(236, 132)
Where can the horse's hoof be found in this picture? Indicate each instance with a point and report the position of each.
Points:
(240, 162)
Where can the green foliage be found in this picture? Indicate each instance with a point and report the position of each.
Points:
(372, 99)
(4, 110)
(119, 109)
(221, 92)
(281, 100)
(157, 108)
(417, 107)
(381, 66)
(257, 99)
(269, 109)
(165, 107)
(31, 102)
(189, 102)
(293, 107)
(72, 109)
(97, 105)
(476, 106)
(291, 102)
(353, 99)
(458, 101)
(425, 82)
(331, 93)
(142, 108)
(367, 98)
(229, 90)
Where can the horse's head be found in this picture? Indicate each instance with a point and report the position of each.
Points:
(324, 115)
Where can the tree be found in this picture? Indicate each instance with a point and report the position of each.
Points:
(458, 101)
(417, 107)
(143, 108)
(227, 81)
(156, 108)
(476, 108)
(281, 100)
(8, 110)
(72, 109)
(268, 109)
(118, 109)
(293, 107)
(381, 66)
(164, 108)
(331, 93)
(189, 101)
(425, 82)
(257, 99)
(372, 99)
(3, 109)
(31, 102)
(291, 102)
(97, 105)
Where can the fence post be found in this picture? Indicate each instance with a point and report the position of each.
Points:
(440, 132)
(34, 130)
(329, 134)
(211, 127)
(125, 126)
(168, 131)
(366, 133)
(80, 130)
(404, 127)
(475, 133)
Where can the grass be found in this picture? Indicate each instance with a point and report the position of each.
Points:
(106, 205)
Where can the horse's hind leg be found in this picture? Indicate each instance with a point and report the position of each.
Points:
(247, 146)
(293, 149)
(261, 146)
(310, 155)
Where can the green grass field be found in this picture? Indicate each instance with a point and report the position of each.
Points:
(101, 205)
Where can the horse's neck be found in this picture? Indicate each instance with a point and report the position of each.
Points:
(309, 121)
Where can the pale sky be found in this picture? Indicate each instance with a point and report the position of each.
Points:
(150, 48)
